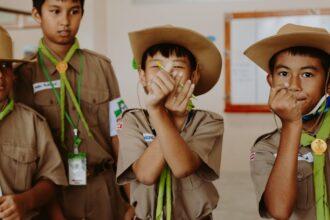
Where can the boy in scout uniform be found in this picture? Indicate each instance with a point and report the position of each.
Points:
(30, 164)
(290, 167)
(77, 91)
(169, 153)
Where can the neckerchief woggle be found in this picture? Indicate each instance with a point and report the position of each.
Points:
(61, 67)
(7, 109)
(319, 146)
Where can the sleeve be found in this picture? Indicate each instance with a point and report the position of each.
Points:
(116, 105)
(50, 165)
(261, 164)
(207, 143)
(131, 147)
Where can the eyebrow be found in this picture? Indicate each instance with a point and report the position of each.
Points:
(281, 66)
(309, 67)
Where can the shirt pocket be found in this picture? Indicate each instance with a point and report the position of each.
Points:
(95, 105)
(19, 164)
(46, 104)
(305, 193)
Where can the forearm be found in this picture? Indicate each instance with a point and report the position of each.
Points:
(281, 190)
(180, 158)
(149, 166)
(41, 194)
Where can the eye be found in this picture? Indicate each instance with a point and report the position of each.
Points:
(55, 11)
(283, 73)
(75, 11)
(178, 67)
(307, 75)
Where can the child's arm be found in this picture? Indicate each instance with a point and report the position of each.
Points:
(181, 159)
(145, 172)
(17, 205)
(281, 190)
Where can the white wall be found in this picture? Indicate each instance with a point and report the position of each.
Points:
(208, 18)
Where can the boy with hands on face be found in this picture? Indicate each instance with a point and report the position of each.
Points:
(169, 152)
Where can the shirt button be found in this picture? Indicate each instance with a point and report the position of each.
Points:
(300, 176)
(94, 101)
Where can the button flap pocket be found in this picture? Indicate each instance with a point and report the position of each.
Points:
(18, 153)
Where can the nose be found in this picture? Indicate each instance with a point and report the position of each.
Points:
(295, 83)
(65, 20)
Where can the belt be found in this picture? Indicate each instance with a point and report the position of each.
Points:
(96, 169)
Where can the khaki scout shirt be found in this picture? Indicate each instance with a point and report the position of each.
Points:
(28, 152)
(99, 87)
(194, 197)
(262, 159)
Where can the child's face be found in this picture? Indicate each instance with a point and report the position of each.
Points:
(59, 20)
(172, 64)
(301, 74)
(6, 80)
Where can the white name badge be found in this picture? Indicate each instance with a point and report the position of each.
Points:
(77, 169)
(37, 87)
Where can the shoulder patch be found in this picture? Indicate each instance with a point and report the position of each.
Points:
(93, 53)
(212, 114)
(265, 136)
(29, 109)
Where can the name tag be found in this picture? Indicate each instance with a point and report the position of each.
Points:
(77, 169)
(148, 137)
(37, 87)
(304, 157)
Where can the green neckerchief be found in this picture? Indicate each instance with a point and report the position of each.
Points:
(320, 187)
(9, 107)
(61, 67)
(164, 183)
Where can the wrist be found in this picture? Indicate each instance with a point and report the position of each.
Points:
(292, 124)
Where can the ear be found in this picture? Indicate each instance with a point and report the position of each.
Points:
(270, 79)
(142, 76)
(195, 76)
(36, 16)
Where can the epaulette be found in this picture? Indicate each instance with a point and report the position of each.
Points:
(91, 52)
(265, 136)
(29, 109)
(132, 110)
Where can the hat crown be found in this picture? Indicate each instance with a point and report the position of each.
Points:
(6, 46)
(293, 28)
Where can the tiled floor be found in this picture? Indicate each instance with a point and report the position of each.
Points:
(237, 198)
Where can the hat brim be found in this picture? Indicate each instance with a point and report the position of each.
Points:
(207, 55)
(15, 60)
(262, 51)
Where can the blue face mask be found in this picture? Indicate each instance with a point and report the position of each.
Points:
(322, 106)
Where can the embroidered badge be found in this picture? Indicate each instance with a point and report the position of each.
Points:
(148, 137)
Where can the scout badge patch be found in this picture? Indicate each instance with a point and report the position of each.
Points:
(117, 107)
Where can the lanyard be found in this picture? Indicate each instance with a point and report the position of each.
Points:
(319, 146)
(61, 67)
(7, 109)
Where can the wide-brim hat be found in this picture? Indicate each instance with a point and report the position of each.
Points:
(289, 35)
(205, 52)
(6, 48)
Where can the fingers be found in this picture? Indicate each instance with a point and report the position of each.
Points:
(185, 102)
(277, 89)
(7, 212)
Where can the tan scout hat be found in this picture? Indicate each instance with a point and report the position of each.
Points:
(206, 53)
(289, 35)
(6, 47)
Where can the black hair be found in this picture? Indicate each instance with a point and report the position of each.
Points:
(166, 50)
(323, 56)
(38, 4)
